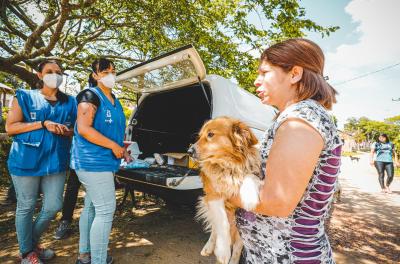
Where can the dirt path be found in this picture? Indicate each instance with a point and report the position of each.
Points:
(365, 228)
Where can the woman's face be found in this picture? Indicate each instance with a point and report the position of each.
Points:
(274, 86)
(104, 73)
(48, 69)
(382, 139)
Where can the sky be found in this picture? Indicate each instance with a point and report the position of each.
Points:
(368, 40)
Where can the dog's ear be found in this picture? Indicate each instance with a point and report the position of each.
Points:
(243, 136)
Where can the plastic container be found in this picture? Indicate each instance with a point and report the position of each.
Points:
(133, 149)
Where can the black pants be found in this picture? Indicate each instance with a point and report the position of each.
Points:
(381, 167)
(70, 196)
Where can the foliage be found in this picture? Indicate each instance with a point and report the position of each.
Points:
(397, 172)
(393, 120)
(4, 150)
(364, 129)
(76, 31)
(3, 119)
(127, 111)
(349, 153)
(335, 120)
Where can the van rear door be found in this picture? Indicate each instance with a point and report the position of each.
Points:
(175, 69)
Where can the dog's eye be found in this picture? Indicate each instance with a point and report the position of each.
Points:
(210, 134)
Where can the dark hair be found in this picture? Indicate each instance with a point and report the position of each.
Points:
(61, 97)
(309, 56)
(99, 65)
(385, 136)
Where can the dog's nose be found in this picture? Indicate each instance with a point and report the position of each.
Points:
(192, 150)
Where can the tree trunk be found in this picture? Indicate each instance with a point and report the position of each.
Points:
(29, 77)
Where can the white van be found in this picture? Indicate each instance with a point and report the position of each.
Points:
(177, 97)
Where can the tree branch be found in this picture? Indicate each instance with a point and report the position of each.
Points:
(21, 72)
(20, 14)
(39, 30)
(7, 48)
(26, 53)
(122, 58)
(87, 3)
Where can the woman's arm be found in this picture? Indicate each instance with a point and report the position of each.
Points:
(15, 123)
(396, 161)
(84, 121)
(371, 156)
(291, 162)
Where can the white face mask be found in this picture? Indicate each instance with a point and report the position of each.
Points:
(108, 80)
(52, 80)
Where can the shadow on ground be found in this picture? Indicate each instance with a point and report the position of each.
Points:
(365, 229)
(150, 233)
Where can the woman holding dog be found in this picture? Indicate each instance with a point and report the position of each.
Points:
(382, 153)
(301, 160)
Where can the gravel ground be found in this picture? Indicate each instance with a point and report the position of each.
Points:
(365, 227)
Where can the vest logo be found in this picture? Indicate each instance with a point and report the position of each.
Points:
(108, 117)
(33, 115)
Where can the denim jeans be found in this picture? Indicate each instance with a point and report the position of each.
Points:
(97, 215)
(70, 196)
(27, 189)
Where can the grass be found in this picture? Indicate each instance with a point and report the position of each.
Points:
(349, 153)
(397, 172)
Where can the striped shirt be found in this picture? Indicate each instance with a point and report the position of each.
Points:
(299, 238)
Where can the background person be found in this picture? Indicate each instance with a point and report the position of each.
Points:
(70, 199)
(382, 153)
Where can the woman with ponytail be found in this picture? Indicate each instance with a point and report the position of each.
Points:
(301, 160)
(97, 150)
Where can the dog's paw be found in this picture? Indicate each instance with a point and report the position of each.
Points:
(208, 248)
(234, 260)
(223, 250)
(249, 193)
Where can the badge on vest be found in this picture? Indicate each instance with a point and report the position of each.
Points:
(108, 117)
(33, 115)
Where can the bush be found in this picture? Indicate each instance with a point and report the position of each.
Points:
(5, 145)
(4, 150)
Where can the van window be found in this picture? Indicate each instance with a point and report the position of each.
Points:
(164, 77)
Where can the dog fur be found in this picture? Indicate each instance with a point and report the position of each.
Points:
(230, 166)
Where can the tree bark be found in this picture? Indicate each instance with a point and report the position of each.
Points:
(22, 73)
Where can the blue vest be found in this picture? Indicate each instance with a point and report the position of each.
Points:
(40, 152)
(110, 122)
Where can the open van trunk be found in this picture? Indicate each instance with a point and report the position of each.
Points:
(173, 107)
(176, 100)
(169, 121)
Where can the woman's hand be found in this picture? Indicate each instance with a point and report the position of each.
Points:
(127, 157)
(55, 128)
(371, 163)
(118, 151)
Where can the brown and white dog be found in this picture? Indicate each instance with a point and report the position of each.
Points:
(230, 166)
